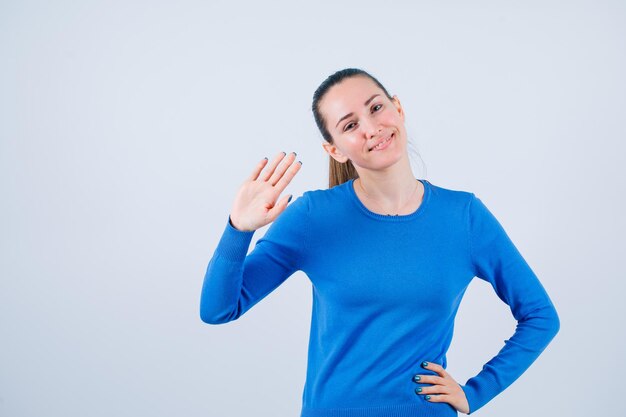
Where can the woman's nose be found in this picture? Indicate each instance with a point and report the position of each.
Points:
(371, 128)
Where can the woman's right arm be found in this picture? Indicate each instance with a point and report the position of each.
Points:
(234, 281)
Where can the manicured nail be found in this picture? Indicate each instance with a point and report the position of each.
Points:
(424, 364)
(427, 397)
(266, 157)
(300, 162)
(295, 154)
(418, 389)
(284, 152)
(416, 378)
(290, 198)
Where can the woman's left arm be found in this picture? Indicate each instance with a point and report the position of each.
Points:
(496, 260)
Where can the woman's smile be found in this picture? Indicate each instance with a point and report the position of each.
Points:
(384, 144)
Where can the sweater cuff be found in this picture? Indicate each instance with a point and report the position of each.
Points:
(470, 398)
(479, 390)
(234, 243)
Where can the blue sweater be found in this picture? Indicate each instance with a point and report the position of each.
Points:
(385, 290)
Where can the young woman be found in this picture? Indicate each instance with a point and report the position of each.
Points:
(389, 257)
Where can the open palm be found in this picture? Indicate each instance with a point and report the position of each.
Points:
(255, 204)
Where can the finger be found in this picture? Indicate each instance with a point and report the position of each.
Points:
(435, 389)
(270, 171)
(435, 367)
(429, 379)
(280, 170)
(279, 207)
(287, 177)
(441, 398)
(257, 169)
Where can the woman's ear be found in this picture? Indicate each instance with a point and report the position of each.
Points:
(396, 102)
(334, 152)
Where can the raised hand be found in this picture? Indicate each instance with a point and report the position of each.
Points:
(448, 390)
(255, 204)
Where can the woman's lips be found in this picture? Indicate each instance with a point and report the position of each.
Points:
(385, 145)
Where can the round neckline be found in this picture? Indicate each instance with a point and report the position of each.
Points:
(384, 217)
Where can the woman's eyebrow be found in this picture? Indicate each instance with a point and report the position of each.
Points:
(352, 114)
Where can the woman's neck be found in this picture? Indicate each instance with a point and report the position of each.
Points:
(391, 195)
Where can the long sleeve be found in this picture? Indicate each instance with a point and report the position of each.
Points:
(234, 282)
(496, 260)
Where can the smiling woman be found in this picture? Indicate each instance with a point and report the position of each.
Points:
(362, 115)
(386, 288)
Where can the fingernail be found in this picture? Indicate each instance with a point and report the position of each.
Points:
(266, 157)
(416, 378)
(284, 152)
(300, 162)
(295, 154)
(424, 364)
(290, 198)
(418, 389)
(427, 397)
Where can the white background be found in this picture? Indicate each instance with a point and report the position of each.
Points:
(126, 128)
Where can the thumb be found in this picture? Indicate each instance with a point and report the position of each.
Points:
(279, 207)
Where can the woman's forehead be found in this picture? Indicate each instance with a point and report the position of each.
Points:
(349, 95)
(353, 89)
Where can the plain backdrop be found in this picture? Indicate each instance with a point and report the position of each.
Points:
(126, 128)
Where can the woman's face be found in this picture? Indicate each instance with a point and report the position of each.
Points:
(358, 116)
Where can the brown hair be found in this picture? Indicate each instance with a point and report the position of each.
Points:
(338, 172)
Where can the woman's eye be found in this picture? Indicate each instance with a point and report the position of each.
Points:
(347, 127)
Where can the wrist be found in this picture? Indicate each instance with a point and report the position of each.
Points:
(235, 225)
